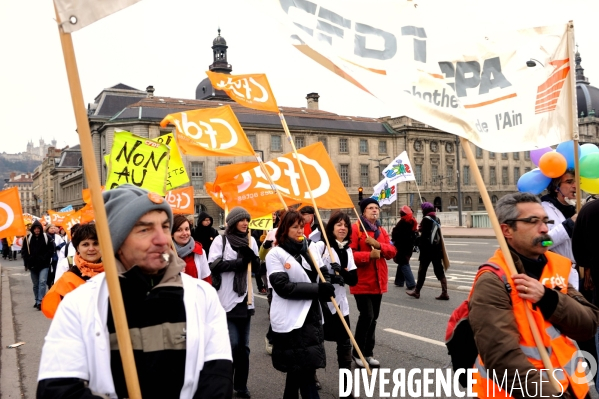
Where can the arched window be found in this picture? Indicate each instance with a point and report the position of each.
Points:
(494, 199)
(453, 201)
(480, 199)
(468, 201)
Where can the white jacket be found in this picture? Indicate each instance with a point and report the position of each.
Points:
(78, 346)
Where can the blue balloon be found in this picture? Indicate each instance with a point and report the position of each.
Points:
(588, 149)
(534, 182)
(567, 150)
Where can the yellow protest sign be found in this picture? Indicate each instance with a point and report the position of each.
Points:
(261, 223)
(177, 175)
(138, 161)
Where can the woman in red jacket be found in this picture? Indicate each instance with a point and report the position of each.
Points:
(196, 264)
(371, 249)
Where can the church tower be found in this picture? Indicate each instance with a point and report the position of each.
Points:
(205, 91)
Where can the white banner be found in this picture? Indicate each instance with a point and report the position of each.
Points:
(473, 84)
(399, 170)
(77, 14)
(384, 193)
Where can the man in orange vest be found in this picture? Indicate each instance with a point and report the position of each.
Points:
(498, 318)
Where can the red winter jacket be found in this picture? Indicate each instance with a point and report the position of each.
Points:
(190, 264)
(373, 274)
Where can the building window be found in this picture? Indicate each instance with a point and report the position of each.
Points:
(491, 155)
(494, 199)
(516, 174)
(492, 176)
(434, 146)
(197, 175)
(418, 145)
(363, 146)
(383, 147)
(482, 173)
(253, 141)
(526, 170)
(344, 174)
(516, 156)
(480, 200)
(343, 149)
(453, 201)
(275, 143)
(449, 176)
(505, 179)
(468, 201)
(466, 177)
(527, 155)
(479, 152)
(418, 174)
(364, 176)
(504, 155)
(434, 173)
(448, 148)
(323, 140)
(300, 142)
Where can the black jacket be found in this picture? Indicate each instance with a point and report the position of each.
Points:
(403, 238)
(204, 234)
(302, 348)
(428, 250)
(37, 250)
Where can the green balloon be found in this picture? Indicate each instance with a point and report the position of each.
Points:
(589, 166)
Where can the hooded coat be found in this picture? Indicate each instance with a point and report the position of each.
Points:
(205, 235)
(37, 249)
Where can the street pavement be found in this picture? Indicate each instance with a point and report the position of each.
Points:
(410, 333)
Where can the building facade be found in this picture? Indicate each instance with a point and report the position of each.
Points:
(24, 184)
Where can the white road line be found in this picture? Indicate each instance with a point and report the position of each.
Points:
(418, 337)
(468, 242)
(452, 243)
(459, 252)
(446, 315)
(457, 262)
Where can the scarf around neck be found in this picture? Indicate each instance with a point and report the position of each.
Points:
(372, 226)
(184, 250)
(236, 238)
(297, 250)
(88, 269)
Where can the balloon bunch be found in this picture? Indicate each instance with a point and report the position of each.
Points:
(554, 163)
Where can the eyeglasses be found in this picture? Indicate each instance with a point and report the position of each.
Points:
(532, 220)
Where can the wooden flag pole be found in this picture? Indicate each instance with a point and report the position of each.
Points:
(347, 329)
(91, 173)
(574, 114)
(270, 181)
(250, 286)
(508, 257)
(303, 172)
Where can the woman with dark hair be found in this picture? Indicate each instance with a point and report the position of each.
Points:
(229, 257)
(430, 251)
(191, 251)
(295, 314)
(342, 270)
(87, 264)
(204, 233)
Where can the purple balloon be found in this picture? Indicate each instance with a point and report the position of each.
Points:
(535, 155)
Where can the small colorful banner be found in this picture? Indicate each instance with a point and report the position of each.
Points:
(138, 161)
(66, 208)
(181, 200)
(399, 170)
(384, 193)
(58, 218)
(11, 223)
(252, 91)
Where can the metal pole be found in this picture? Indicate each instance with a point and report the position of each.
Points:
(457, 155)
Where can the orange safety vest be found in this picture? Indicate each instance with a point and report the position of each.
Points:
(65, 284)
(561, 349)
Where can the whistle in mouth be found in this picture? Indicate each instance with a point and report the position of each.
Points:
(300, 239)
(547, 243)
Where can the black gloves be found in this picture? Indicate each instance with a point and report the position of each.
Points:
(267, 244)
(326, 291)
(337, 280)
(247, 254)
(325, 274)
(336, 267)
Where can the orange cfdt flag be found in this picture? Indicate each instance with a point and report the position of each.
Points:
(215, 194)
(210, 132)
(87, 213)
(87, 195)
(252, 91)
(181, 200)
(11, 220)
(57, 218)
(71, 220)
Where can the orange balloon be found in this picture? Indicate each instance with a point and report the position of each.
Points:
(553, 164)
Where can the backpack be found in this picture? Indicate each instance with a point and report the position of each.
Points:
(459, 337)
(435, 232)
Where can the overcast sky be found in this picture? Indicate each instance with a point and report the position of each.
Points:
(167, 44)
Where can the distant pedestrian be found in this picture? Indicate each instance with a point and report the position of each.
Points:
(404, 237)
(204, 233)
(37, 252)
(431, 250)
(17, 244)
(5, 248)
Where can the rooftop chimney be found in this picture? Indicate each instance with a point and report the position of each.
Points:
(150, 91)
(312, 100)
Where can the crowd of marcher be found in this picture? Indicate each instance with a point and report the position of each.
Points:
(189, 304)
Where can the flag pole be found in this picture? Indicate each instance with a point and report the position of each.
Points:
(326, 239)
(574, 115)
(507, 255)
(91, 173)
(272, 184)
(250, 286)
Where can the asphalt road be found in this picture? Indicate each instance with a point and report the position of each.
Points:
(410, 332)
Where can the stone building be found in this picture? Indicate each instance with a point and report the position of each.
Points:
(67, 179)
(43, 185)
(24, 184)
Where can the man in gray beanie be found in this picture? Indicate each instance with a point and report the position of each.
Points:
(176, 321)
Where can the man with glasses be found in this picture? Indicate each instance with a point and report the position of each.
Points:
(559, 204)
(498, 318)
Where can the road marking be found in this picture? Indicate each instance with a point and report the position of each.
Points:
(448, 243)
(458, 262)
(446, 315)
(418, 337)
(459, 252)
(467, 242)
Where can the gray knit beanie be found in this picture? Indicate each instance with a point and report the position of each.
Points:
(235, 215)
(125, 205)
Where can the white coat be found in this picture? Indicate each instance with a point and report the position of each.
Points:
(78, 346)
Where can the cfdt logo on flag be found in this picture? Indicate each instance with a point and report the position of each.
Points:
(11, 214)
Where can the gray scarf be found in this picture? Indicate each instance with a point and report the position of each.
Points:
(184, 250)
